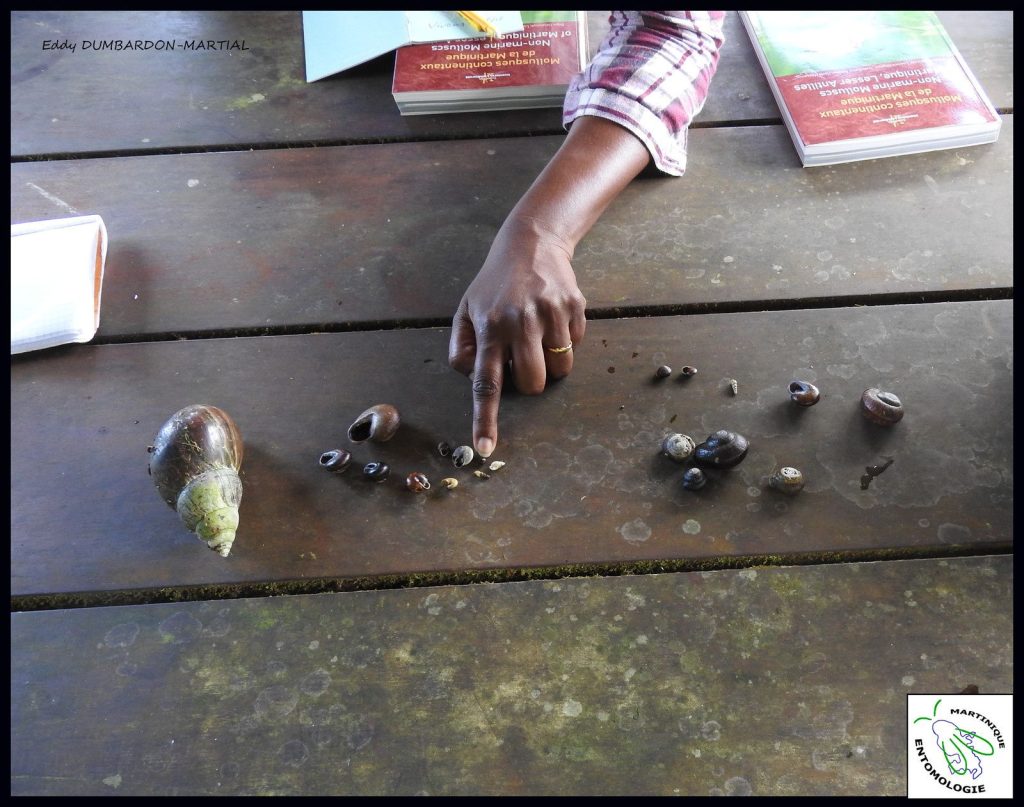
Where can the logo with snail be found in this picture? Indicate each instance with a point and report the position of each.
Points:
(959, 746)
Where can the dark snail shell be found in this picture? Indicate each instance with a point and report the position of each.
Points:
(678, 447)
(417, 482)
(194, 462)
(787, 480)
(444, 449)
(663, 372)
(694, 479)
(803, 393)
(881, 407)
(378, 423)
(723, 449)
(689, 371)
(376, 471)
(336, 460)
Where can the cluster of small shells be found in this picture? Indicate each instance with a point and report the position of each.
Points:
(725, 449)
(379, 424)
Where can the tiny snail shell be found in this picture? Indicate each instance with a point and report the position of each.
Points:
(689, 371)
(378, 423)
(417, 482)
(663, 372)
(444, 449)
(803, 393)
(787, 480)
(481, 475)
(448, 483)
(376, 471)
(880, 407)
(678, 447)
(497, 465)
(694, 479)
(723, 449)
(336, 460)
(462, 456)
(734, 386)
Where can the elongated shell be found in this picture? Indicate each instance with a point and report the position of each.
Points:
(378, 423)
(194, 463)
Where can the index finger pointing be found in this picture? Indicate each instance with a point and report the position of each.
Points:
(487, 380)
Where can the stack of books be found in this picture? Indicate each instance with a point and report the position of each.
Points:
(518, 70)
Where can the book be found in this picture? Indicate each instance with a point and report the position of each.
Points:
(56, 281)
(858, 85)
(519, 70)
(337, 40)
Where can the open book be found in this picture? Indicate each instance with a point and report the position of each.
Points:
(337, 40)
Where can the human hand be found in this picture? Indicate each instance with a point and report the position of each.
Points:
(523, 302)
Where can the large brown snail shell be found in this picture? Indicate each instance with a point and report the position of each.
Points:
(194, 463)
(378, 423)
(804, 393)
(880, 407)
(723, 449)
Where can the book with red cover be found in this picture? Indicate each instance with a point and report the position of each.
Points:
(857, 85)
(520, 70)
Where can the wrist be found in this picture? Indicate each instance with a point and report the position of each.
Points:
(519, 226)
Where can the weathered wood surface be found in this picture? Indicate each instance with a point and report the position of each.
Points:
(584, 483)
(365, 234)
(97, 101)
(785, 681)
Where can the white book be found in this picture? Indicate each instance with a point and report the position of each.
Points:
(56, 281)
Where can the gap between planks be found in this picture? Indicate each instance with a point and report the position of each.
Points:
(230, 591)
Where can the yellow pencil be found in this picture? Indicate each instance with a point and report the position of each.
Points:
(478, 22)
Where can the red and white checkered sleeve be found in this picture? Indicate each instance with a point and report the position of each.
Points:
(651, 75)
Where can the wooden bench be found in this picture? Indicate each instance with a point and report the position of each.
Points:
(294, 253)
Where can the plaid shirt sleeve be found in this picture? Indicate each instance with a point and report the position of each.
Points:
(651, 75)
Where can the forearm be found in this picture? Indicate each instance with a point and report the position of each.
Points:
(595, 163)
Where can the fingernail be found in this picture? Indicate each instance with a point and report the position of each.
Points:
(484, 447)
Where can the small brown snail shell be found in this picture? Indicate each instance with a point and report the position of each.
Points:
(880, 407)
(336, 460)
(417, 482)
(194, 462)
(694, 479)
(448, 483)
(787, 480)
(376, 471)
(803, 393)
(462, 456)
(678, 447)
(378, 423)
(723, 449)
(663, 372)
(689, 371)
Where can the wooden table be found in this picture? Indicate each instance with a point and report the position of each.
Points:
(293, 253)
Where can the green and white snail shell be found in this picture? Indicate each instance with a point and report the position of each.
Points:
(378, 423)
(803, 393)
(787, 480)
(881, 407)
(194, 462)
(678, 447)
(723, 449)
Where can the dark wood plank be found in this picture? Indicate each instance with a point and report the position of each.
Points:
(584, 483)
(365, 234)
(97, 101)
(755, 682)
